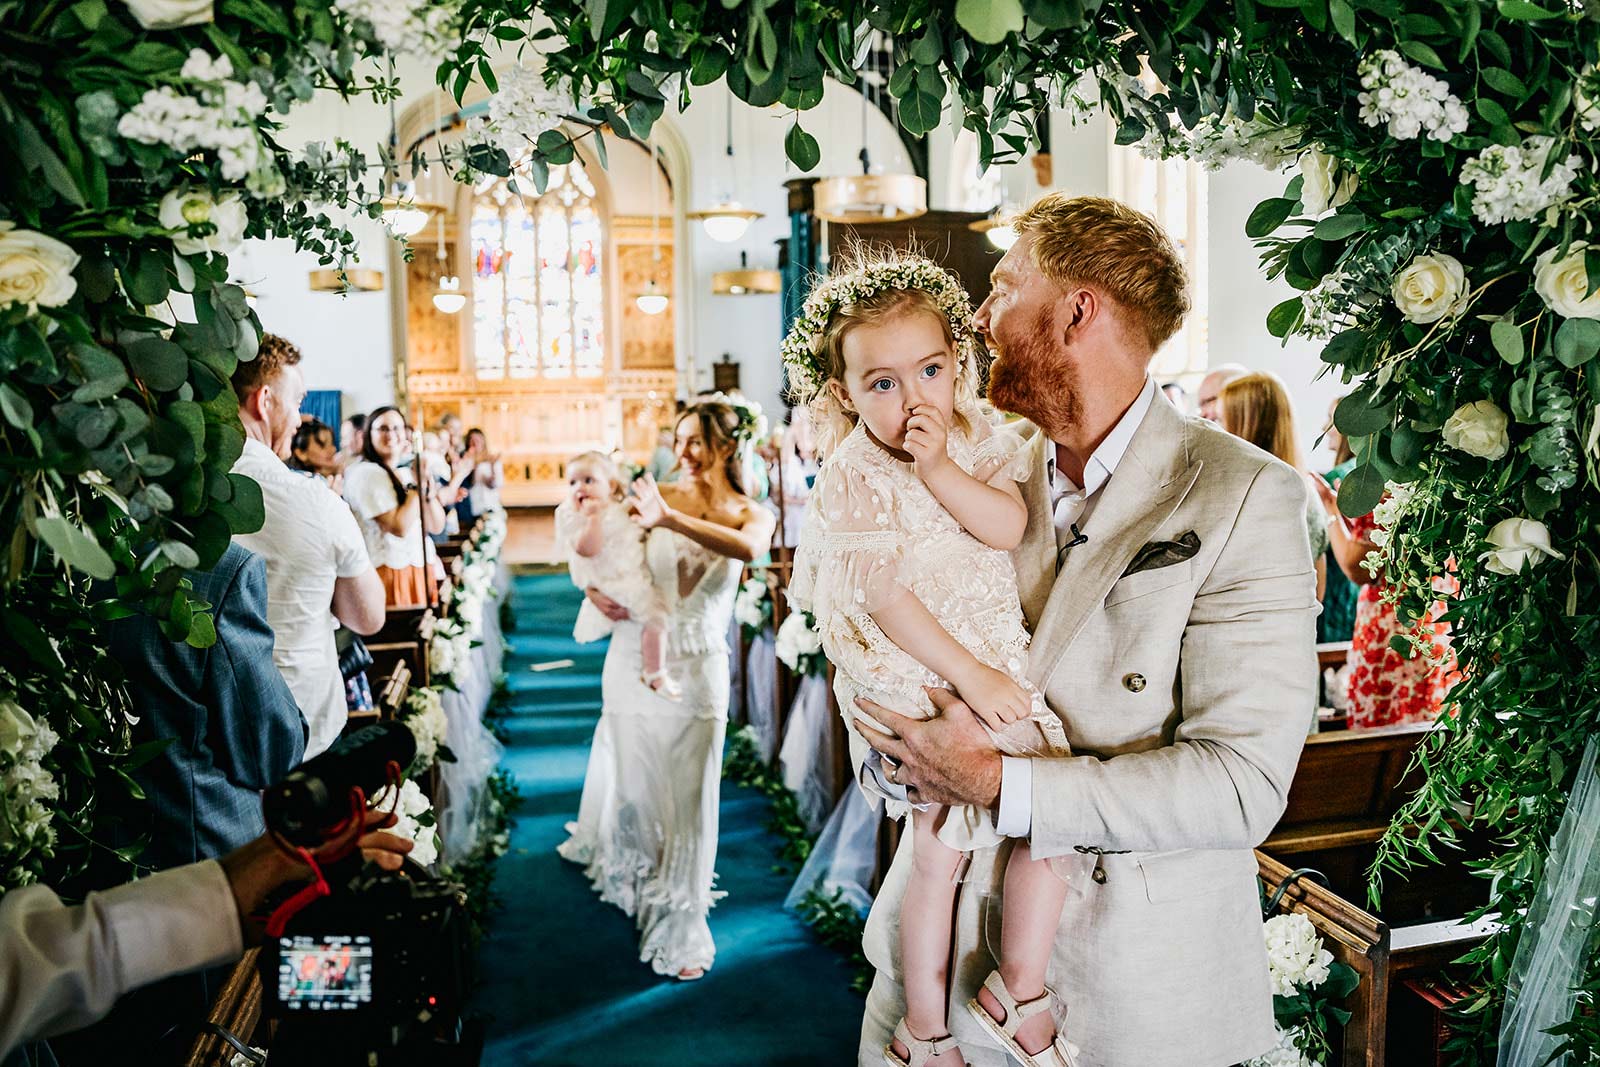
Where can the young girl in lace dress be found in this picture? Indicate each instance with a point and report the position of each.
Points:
(904, 562)
(605, 551)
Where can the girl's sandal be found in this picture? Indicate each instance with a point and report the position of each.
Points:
(919, 1051)
(662, 684)
(1059, 1054)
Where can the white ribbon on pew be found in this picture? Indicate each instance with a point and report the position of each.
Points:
(761, 693)
(845, 854)
(807, 755)
(1548, 964)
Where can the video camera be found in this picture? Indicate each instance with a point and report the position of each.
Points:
(373, 970)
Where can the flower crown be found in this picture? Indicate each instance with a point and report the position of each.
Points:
(752, 421)
(802, 348)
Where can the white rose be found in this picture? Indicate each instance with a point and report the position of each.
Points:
(1515, 544)
(169, 14)
(1295, 956)
(181, 209)
(1478, 429)
(1430, 288)
(16, 728)
(1562, 283)
(35, 269)
(1323, 186)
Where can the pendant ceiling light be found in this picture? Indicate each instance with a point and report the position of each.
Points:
(448, 298)
(869, 197)
(402, 213)
(727, 219)
(998, 228)
(652, 299)
(746, 282)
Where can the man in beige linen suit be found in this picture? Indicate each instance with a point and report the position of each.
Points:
(1175, 642)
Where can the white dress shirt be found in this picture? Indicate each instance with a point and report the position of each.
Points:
(61, 967)
(309, 540)
(1072, 507)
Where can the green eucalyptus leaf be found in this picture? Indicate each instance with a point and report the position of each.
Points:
(1284, 317)
(1577, 341)
(989, 21)
(802, 148)
(77, 548)
(1268, 216)
(244, 509)
(160, 364)
(1360, 415)
(1338, 227)
(1360, 490)
(1507, 340)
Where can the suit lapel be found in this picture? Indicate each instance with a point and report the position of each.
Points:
(1148, 485)
(1035, 558)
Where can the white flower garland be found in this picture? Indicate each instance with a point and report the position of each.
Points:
(802, 348)
(1408, 100)
(416, 820)
(1298, 964)
(522, 109)
(753, 606)
(28, 792)
(799, 644)
(219, 116)
(1508, 181)
(406, 27)
(424, 715)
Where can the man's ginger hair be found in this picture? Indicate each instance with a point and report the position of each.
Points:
(1106, 245)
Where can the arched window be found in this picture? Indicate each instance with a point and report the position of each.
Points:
(538, 298)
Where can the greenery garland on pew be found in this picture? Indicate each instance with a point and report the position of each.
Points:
(1442, 251)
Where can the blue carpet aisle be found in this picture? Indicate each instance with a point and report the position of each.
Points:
(561, 975)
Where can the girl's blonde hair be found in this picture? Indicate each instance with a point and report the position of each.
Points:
(1257, 409)
(607, 466)
(831, 420)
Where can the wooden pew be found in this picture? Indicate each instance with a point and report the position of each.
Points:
(236, 1010)
(400, 641)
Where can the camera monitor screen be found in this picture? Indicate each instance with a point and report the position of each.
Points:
(328, 973)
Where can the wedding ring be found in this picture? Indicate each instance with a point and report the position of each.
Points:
(888, 771)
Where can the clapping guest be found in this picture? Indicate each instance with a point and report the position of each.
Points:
(488, 474)
(393, 511)
(312, 451)
(1338, 619)
(318, 570)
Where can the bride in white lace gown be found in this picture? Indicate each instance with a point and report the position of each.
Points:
(646, 832)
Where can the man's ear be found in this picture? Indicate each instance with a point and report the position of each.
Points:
(841, 394)
(1079, 310)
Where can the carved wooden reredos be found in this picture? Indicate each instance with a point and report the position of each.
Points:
(610, 383)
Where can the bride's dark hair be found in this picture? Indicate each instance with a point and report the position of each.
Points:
(719, 429)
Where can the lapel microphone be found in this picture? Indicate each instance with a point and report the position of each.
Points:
(1078, 538)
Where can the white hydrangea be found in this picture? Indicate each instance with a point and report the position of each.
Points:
(415, 820)
(1218, 141)
(27, 789)
(797, 638)
(219, 115)
(406, 27)
(522, 109)
(1286, 1053)
(747, 607)
(1295, 957)
(1408, 99)
(1508, 180)
(426, 719)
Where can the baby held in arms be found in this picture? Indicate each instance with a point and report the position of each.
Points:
(605, 550)
(904, 563)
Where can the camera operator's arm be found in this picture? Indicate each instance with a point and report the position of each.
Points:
(61, 967)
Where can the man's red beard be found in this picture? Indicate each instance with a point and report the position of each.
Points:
(1032, 377)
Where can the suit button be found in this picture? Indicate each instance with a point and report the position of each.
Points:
(1133, 683)
(1099, 874)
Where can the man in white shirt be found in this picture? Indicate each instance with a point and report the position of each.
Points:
(318, 570)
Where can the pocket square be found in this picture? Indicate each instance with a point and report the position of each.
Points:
(1159, 554)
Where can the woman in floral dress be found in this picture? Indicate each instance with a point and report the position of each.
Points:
(1387, 687)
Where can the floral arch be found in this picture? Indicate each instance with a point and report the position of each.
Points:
(1439, 231)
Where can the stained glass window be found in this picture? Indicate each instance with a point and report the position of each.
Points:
(538, 301)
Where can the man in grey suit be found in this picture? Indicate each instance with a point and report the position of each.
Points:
(1167, 580)
(234, 726)
(233, 730)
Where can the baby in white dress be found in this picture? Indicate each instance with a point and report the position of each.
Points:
(605, 550)
(904, 563)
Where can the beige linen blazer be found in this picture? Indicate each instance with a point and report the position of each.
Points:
(1185, 691)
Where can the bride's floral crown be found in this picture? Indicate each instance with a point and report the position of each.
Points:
(752, 426)
(802, 348)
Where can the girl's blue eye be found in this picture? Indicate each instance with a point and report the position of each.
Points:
(931, 370)
(885, 383)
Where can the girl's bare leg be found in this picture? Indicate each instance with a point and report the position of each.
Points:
(926, 921)
(1034, 895)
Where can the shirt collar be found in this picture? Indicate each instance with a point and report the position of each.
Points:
(1103, 462)
(258, 451)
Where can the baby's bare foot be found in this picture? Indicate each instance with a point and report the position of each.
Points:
(1034, 1035)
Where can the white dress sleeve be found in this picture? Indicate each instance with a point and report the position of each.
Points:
(852, 548)
(1000, 455)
